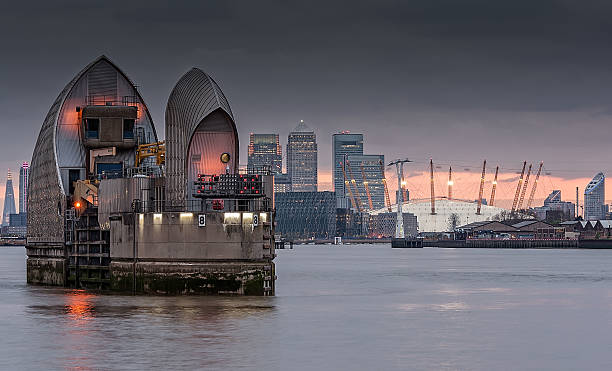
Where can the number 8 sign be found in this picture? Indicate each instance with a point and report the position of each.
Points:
(201, 220)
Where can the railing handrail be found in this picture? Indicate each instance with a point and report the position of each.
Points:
(263, 204)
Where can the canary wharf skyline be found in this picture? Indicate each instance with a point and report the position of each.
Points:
(468, 81)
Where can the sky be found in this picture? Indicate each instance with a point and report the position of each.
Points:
(456, 81)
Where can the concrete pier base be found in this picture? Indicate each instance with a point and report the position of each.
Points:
(197, 278)
(46, 271)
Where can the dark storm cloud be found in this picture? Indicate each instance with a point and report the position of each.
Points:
(464, 80)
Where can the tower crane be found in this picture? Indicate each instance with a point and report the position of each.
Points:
(433, 198)
(384, 180)
(450, 182)
(518, 188)
(354, 184)
(520, 204)
(492, 199)
(482, 179)
(535, 184)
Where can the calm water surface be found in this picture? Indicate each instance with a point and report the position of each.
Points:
(359, 307)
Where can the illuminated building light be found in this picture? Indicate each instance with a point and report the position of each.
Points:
(247, 218)
(231, 218)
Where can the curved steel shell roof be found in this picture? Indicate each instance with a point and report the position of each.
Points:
(58, 147)
(195, 96)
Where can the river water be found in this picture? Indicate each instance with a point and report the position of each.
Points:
(358, 308)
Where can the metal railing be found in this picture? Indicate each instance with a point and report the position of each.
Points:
(204, 205)
(112, 100)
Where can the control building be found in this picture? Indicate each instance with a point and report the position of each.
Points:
(110, 206)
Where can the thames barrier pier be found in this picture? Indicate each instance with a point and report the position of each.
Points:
(113, 207)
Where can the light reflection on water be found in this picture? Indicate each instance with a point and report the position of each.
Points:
(336, 308)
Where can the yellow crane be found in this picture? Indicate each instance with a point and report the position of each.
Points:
(518, 188)
(535, 184)
(450, 182)
(347, 185)
(520, 204)
(482, 179)
(433, 195)
(157, 150)
(354, 184)
(384, 180)
(492, 199)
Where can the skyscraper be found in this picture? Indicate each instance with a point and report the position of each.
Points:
(365, 170)
(594, 198)
(344, 144)
(9, 200)
(265, 151)
(23, 188)
(302, 159)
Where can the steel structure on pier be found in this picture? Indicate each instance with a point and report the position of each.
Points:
(198, 119)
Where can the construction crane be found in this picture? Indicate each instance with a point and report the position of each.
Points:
(433, 198)
(384, 180)
(518, 188)
(353, 183)
(157, 150)
(520, 204)
(450, 182)
(367, 188)
(492, 199)
(347, 185)
(399, 224)
(535, 185)
(482, 179)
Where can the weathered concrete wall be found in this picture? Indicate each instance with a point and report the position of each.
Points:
(177, 237)
(173, 278)
(172, 254)
(46, 271)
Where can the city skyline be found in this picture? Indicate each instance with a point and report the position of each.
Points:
(461, 84)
